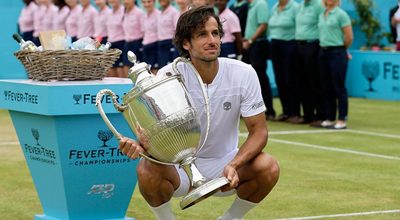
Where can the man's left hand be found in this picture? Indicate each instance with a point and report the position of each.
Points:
(231, 174)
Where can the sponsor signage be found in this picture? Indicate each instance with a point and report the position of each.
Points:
(374, 75)
(73, 158)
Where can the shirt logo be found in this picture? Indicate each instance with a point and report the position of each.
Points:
(257, 105)
(227, 106)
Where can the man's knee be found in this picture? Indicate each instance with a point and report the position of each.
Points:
(269, 168)
(151, 174)
(146, 171)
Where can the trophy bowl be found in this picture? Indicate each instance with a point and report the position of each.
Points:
(160, 111)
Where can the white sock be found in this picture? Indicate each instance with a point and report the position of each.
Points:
(164, 211)
(238, 209)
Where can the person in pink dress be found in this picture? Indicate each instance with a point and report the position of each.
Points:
(43, 18)
(62, 15)
(100, 23)
(231, 46)
(26, 19)
(116, 36)
(133, 29)
(183, 5)
(71, 24)
(150, 38)
(86, 20)
(50, 12)
(166, 30)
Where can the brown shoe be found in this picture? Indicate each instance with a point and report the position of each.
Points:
(282, 117)
(270, 117)
(295, 120)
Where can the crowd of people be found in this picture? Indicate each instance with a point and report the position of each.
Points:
(306, 43)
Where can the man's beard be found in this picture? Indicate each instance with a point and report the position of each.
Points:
(211, 58)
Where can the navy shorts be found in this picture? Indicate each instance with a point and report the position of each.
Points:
(134, 46)
(104, 40)
(27, 35)
(150, 54)
(228, 50)
(166, 52)
(120, 46)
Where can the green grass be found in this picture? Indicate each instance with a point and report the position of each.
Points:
(313, 181)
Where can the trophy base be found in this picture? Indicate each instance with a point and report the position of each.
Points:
(203, 192)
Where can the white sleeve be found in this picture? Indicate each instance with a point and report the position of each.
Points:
(251, 99)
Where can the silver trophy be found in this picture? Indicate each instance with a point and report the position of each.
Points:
(160, 111)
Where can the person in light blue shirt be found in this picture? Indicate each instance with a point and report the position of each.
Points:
(256, 43)
(307, 38)
(282, 29)
(335, 36)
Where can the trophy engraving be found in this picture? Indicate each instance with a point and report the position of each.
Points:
(77, 98)
(35, 133)
(105, 135)
(160, 111)
(370, 70)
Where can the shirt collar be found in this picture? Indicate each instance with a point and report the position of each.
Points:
(238, 4)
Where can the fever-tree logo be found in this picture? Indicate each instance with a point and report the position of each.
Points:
(370, 70)
(77, 97)
(36, 135)
(105, 135)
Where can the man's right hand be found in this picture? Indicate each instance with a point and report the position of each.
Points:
(130, 148)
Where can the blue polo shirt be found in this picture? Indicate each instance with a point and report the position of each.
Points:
(331, 27)
(282, 24)
(258, 14)
(307, 20)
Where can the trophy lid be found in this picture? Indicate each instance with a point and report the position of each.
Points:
(138, 71)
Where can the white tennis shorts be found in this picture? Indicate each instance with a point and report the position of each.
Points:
(210, 168)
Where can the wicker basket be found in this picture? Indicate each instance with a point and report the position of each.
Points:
(67, 65)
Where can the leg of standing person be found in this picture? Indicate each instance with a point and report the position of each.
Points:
(309, 81)
(289, 50)
(320, 113)
(338, 74)
(277, 64)
(327, 88)
(258, 53)
(303, 57)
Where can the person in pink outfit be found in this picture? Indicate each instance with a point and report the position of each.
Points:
(26, 19)
(183, 5)
(50, 12)
(150, 38)
(61, 17)
(231, 46)
(86, 20)
(166, 30)
(133, 29)
(43, 18)
(71, 24)
(116, 36)
(100, 23)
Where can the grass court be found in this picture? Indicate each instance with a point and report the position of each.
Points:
(333, 174)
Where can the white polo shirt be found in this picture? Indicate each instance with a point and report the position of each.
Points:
(235, 91)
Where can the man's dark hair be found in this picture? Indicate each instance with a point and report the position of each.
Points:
(190, 21)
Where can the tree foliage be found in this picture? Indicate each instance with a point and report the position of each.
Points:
(368, 23)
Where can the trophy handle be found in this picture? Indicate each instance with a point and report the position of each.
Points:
(120, 108)
(205, 96)
(103, 115)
